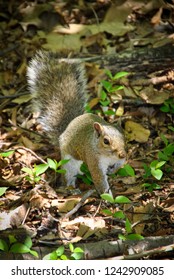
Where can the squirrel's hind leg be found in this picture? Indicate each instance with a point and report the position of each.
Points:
(72, 168)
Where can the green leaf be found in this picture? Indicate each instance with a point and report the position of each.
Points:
(107, 85)
(27, 170)
(78, 250)
(127, 170)
(19, 248)
(51, 256)
(130, 171)
(12, 239)
(77, 256)
(164, 139)
(153, 164)
(122, 199)
(64, 257)
(147, 171)
(37, 179)
(134, 236)
(52, 164)
(71, 247)
(169, 150)
(34, 253)
(121, 236)
(109, 112)
(60, 163)
(107, 197)
(115, 88)
(119, 214)
(103, 95)
(109, 74)
(41, 168)
(165, 108)
(107, 212)
(160, 164)
(61, 171)
(122, 172)
(104, 103)
(171, 128)
(60, 251)
(128, 226)
(63, 161)
(3, 190)
(28, 242)
(3, 245)
(120, 75)
(157, 173)
(162, 156)
(152, 186)
(7, 154)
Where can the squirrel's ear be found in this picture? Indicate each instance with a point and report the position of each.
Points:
(98, 128)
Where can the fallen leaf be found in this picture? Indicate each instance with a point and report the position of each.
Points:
(135, 131)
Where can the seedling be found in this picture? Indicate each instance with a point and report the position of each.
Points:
(121, 215)
(109, 88)
(13, 246)
(59, 254)
(155, 168)
(34, 172)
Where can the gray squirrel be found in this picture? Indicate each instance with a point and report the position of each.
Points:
(58, 86)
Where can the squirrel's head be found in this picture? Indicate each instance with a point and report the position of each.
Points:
(110, 142)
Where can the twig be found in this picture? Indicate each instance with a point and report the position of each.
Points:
(149, 252)
(31, 152)
(81, 202)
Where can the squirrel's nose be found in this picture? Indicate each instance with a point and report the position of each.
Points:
(122, 154)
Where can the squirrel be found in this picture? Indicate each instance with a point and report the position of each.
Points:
(58, 87)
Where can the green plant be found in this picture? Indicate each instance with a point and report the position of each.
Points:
(35, 171)
(54, 165)
(126, 170)
(2, 190)
(120, 215)
(59, 254)
(108, 88)
(7, 154)
(168, 106)
(154, 169)
(13, 246)
(86, 176)
(164, 160)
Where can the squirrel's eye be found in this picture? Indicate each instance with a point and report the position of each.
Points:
(106, 141)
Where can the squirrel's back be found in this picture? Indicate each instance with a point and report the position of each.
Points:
(58, 86)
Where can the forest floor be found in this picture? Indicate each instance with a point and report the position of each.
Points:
(129, 36)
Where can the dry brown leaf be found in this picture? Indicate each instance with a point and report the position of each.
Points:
(29, 144)
(86, 226)
(139, 214)
(14, 218)
(168, 205)
(135, 131)
(66, 205)
(152, 96)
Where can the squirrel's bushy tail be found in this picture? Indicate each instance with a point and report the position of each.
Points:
(59, 90)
